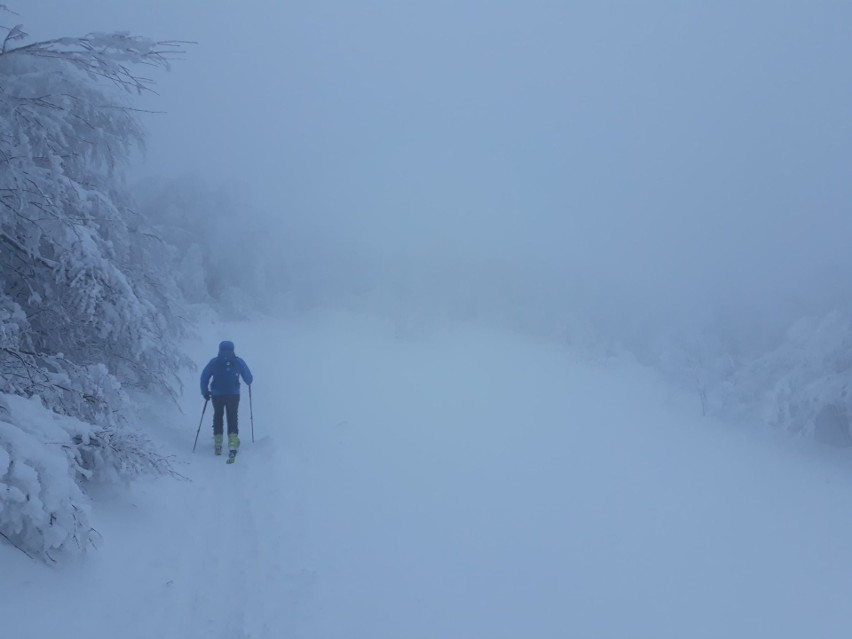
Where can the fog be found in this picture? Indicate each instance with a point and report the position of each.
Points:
(511, 276)
(678, 163)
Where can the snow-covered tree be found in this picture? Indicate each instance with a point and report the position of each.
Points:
(87, 308)
(227, 255)
(803, 385)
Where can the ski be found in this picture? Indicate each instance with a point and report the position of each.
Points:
(233, 445)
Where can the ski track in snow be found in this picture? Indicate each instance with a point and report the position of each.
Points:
(473, 484)
(231, 568)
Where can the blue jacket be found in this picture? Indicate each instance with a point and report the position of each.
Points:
(225, 370)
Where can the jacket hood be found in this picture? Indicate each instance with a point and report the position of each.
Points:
(226, 349)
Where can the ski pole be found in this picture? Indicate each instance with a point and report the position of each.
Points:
(251, 415)
(199, 424)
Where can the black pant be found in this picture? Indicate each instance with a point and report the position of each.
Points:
(221, 404)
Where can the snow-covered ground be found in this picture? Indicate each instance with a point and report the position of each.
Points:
(464, 484)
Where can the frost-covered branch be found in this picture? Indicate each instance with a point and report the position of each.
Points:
(88, 307)
(102, 55)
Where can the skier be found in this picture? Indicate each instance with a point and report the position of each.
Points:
(225, 371)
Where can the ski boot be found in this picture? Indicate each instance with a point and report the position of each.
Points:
(233, 446)
(217, 444)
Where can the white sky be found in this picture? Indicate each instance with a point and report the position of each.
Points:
(669, 149)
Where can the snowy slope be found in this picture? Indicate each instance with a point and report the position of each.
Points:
(469, 484)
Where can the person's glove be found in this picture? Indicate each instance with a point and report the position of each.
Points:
(207, 396)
